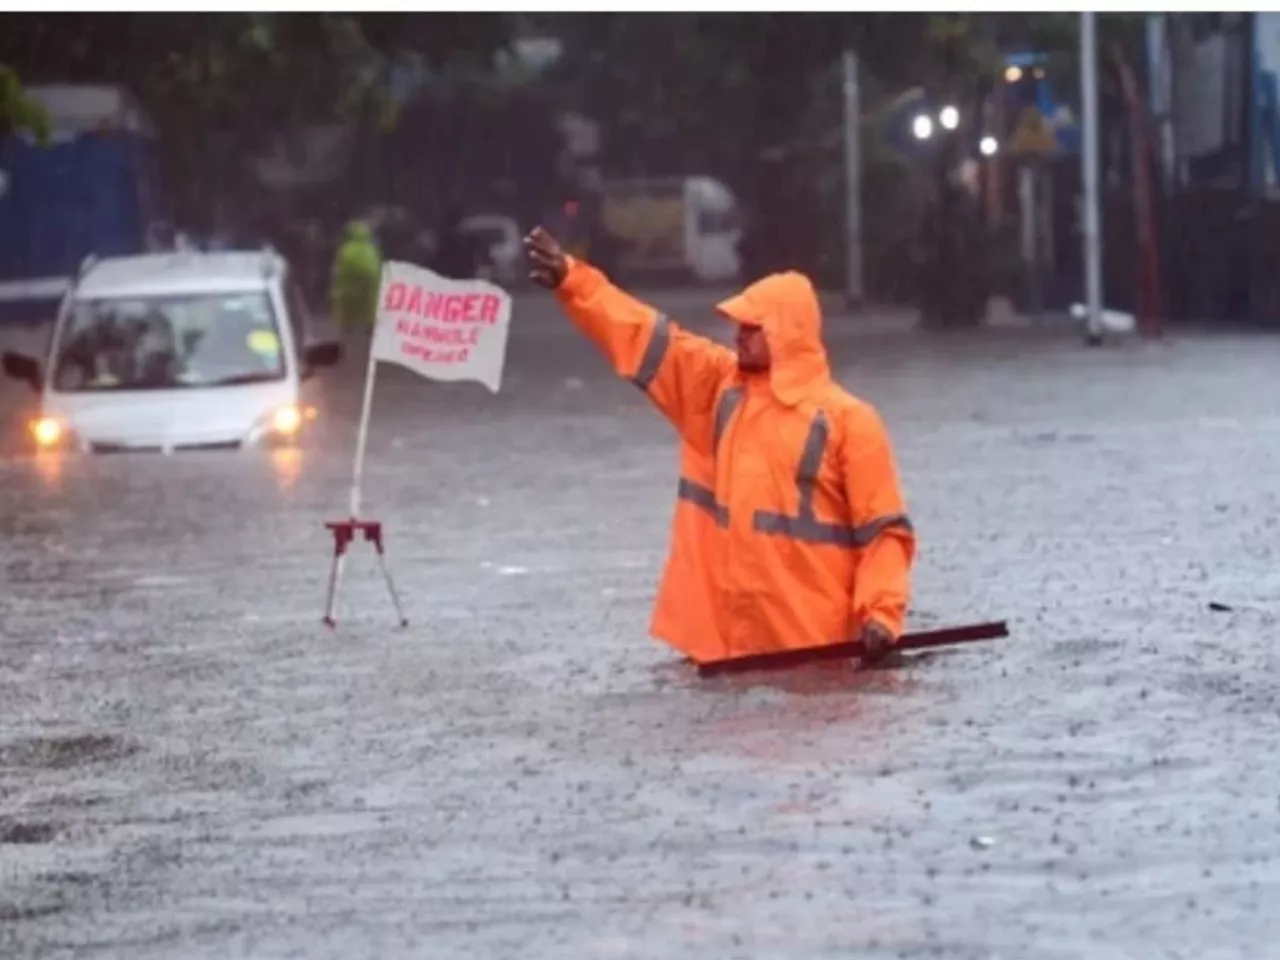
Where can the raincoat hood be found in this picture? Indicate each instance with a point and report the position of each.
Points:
(357, 231)
(786, 307)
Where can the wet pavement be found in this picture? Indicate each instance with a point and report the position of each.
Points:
(192, 767)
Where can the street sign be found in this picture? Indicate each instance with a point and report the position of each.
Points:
(1033, 135)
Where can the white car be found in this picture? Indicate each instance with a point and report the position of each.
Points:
(176, 351)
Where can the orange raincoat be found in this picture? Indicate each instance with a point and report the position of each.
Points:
(790, 529)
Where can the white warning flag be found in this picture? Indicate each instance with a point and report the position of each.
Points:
(443, 329)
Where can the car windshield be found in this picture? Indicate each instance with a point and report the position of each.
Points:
(157, 343)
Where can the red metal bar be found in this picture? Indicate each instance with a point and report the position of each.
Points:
(923, 640)
(344, 531)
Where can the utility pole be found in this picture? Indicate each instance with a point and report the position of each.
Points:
(1092, 228)
(853, 182)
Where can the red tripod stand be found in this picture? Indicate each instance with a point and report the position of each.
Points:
(344, 532)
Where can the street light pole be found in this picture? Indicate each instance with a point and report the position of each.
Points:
(853, 181)
(1092, 228)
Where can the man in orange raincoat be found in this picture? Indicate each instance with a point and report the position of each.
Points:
(790, 529)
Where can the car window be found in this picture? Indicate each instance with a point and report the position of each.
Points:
(168, 342)
(718, 221)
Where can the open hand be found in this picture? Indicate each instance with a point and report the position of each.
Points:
(548, 265)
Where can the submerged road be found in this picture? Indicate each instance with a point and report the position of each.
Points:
(192, 767)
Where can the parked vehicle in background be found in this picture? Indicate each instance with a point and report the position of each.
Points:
(174, 351)
(498, 237)
(93, 190)
(678, 226)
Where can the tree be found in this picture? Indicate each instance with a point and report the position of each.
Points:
(18, 112)
(289, 67)
(221, 86)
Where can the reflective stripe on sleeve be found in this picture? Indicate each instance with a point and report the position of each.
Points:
(704, 498)
(659, 340)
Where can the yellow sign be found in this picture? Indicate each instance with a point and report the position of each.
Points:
(264, 343)
(1034, 135)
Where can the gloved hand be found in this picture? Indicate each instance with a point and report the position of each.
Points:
(876, 642)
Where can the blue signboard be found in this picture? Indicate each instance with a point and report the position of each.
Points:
(1027, 84)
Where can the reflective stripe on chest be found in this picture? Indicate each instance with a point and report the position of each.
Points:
(804, 525)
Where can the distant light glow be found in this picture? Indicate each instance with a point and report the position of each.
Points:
(988, 146)
(949, 117)
(922, 127)
(1013, 74)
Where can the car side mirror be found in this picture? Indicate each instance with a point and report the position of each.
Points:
(326, 353)
(24, 368)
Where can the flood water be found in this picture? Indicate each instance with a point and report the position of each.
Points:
(191, 766)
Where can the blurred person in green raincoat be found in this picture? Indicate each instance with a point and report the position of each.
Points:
(357, 269)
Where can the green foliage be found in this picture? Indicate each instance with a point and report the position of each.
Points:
(220, 86)
(439, 38)
(18, 112)
(357, 268)
(259, 71)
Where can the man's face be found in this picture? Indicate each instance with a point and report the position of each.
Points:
(753, 349)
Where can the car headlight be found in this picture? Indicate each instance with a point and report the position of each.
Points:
(51, 433)
(286, 421)
(283, 425)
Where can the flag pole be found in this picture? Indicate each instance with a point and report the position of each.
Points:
(362, 434)
(345, 531)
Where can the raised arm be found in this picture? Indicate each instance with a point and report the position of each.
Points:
(678, 371)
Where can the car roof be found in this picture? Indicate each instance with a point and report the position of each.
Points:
(179, 273)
